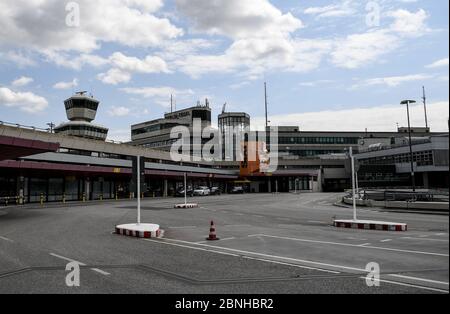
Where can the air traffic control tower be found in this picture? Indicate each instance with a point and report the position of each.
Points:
(81, 110)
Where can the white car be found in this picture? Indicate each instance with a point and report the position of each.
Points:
(202, 191)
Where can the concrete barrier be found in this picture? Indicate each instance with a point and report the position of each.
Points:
(437, 206)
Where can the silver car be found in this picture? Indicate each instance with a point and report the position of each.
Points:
(202, 191)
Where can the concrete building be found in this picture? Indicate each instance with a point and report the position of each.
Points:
(74, 164)
(81, 110)
(156, 133)
(390, 165)
(230, 125)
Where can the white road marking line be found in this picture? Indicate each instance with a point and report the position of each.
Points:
(387, 240)
(258, 216)
(235, 255)
(67, 259)
(100, 271)
(226, 239)
(291, 259)
(316, 222)
(424, 239)
(359, 239)
(290, 264)
(351, 245)
(265, 255)
(420, 279)
(424, 236)
(6, 239)
(409, 285)
(230, 226)
(440, 234)
(239, 214)
(190, 247)
(364, 245)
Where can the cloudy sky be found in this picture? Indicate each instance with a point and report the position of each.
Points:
(329, 64)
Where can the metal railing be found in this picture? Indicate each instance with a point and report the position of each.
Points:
(48, 130)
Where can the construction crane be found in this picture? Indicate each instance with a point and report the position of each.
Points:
(224, 108)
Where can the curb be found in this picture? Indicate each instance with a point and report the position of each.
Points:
(139, 234)
(380, 226)
(186, 206)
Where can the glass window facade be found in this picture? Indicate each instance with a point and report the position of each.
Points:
(81, 103)
(318, 140)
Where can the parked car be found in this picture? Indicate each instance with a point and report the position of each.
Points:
(202, 191)
(189, 192)
(215, 191)
(237, 190)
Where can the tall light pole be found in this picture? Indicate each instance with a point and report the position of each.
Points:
(352, 160)
(413, 178)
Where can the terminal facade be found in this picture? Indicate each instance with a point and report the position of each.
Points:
(68, 165)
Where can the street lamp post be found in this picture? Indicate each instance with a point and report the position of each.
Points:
(413, 177)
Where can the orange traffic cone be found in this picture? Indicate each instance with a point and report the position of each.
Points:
(212, 233)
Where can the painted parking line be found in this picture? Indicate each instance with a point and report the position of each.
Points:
(409, 285)
(100, 271)
(351, 245)
(79, 263)
(424, 239)
(285, 260)
(420, 279)
(237, 253)
(67, 259)
(387, 240)
(236, 226)
(221, 240)
(6, 239)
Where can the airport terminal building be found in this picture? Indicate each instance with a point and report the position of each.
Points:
(76, 163)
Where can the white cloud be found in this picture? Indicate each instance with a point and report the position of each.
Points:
(25, 101)
(343, 9)
(408, 23)
(41, 24)
(66, 85)
(161, 92)
(119, 111)
(74, 61)
(114, 77)
(379, 118)
(261, 34)
(238, 19)
(360, 50)
(393, 81)
(22, 81)
(438, 64)
(161, 95)
(21, 59)
(124, 67)
(315, 83)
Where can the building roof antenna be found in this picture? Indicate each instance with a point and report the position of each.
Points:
(266, 105)
(424, 98)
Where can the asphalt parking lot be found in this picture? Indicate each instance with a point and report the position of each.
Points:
(270, 243)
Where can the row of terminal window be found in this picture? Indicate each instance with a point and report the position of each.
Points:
(424, 158)
(318, 140)
(81, 103)
(82, 128)
(312, 153)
